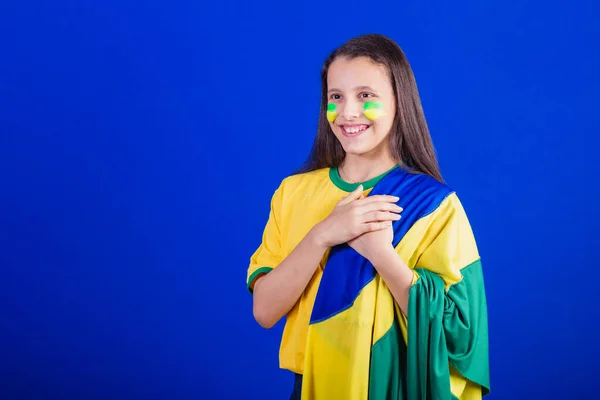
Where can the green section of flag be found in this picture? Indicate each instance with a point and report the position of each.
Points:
(445, 328)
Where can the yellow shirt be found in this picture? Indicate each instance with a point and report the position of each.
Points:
(300, 202)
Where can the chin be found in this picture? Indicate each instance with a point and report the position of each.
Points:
(357, 150)
(362, 147)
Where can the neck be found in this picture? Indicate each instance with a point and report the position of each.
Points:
(361, 168)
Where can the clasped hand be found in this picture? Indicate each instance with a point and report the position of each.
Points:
(365, 223)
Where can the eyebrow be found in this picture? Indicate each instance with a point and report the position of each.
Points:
(356, 88)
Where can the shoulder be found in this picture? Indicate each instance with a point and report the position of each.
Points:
(422, 195)
(298, 185)
(422, 191)
(423, 182)
(437, 197)
(306, 178)
(301, 182)
(438, 194)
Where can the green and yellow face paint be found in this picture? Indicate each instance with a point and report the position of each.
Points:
(374, 110)
(331, 113)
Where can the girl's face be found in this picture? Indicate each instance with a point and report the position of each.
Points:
(361, 105)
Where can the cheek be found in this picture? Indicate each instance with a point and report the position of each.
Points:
(375, 114)
(374, 110)
(331, 112)
(382, 125)
(337, 131)
(331, 116)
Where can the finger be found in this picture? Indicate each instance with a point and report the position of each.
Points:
(379, 216)
(376, 226)
(380, 197)
(354, 195)
(379, 206)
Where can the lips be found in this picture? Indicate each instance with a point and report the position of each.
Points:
(354, 129)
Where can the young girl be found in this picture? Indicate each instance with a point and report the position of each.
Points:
(368, 254)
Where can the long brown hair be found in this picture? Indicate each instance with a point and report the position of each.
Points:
(410, 141)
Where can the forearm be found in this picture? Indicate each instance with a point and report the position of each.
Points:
(396, 274)
(278, 291)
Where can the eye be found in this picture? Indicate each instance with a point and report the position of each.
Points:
(364, 95)
(335, 97)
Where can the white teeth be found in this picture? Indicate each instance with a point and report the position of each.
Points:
(355, 129)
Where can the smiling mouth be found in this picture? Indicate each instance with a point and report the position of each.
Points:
(353, 130)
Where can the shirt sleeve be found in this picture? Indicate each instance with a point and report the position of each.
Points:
(268, 255)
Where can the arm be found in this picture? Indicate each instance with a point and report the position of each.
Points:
(396, 275)
(276, 293)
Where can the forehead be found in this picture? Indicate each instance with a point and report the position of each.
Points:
(346, 74)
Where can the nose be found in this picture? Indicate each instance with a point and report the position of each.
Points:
(350, 110)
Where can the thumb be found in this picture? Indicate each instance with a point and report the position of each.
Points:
(355, 195)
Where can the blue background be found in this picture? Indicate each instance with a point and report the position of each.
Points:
(140, 144)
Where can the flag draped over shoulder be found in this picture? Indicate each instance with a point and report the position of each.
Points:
(361, 346)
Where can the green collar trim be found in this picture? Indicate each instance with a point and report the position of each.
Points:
(337, 180)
